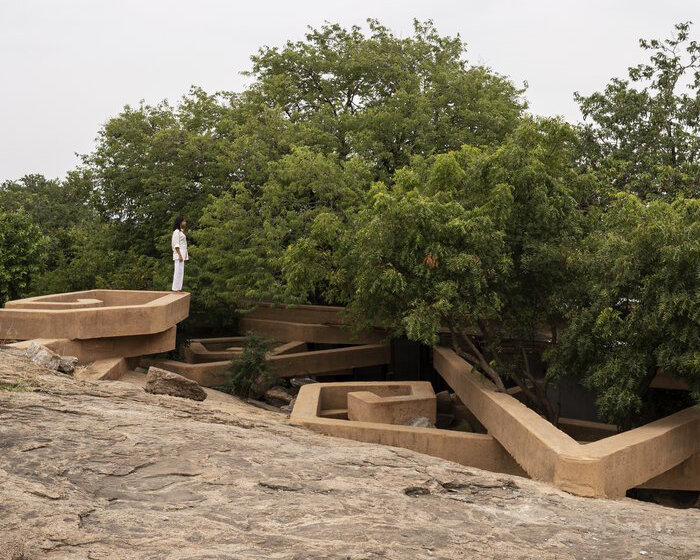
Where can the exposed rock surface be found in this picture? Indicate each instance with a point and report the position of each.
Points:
(298, 382)
(103, 470)
(278, 396)
(162, 382)
(67, 364)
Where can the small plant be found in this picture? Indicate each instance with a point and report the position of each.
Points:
(250, 366)
(14, 387)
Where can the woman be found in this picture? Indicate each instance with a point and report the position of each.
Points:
(179, 247)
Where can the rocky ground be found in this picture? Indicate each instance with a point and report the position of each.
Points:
(104, 470)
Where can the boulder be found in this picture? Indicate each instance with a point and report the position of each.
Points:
(278, 396)
(444, 421)
(162, 382)
(67, 364)
(42, 356)
(298, 382)
(463, 426)
(288, 407)
(262, 383)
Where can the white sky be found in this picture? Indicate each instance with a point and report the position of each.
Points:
(66, 66)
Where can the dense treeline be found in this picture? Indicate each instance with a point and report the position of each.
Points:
(391, 176)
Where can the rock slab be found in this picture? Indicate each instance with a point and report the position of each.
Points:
(105, 471)
(162, 382)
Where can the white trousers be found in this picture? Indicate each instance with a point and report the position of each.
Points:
(178, 275)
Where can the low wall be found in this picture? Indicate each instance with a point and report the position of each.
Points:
(475, 450)
(366, 406)
(604, 468)
(309, 314)
(319, 362)
(284, 331)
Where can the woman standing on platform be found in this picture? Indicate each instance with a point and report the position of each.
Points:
(179, 247)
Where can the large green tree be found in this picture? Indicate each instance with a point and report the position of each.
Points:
(638, 308)
(22, 254)
(384, 97)
(642, 134)
(474, 240)
(355, 106)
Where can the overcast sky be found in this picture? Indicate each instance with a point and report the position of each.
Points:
(66, 66)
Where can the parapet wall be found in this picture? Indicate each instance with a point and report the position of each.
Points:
(93, 314)
(607, 467)
(322, 407)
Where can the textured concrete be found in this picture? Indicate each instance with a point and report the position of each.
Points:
(284, 331)
(366, 406)
(108, 313)
(91, 349)
(607, 467)
(302, 364)
(323, 408)
(309, 314)
(207, 350)
(108, 369)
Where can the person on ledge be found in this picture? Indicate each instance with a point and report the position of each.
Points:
(179, 246)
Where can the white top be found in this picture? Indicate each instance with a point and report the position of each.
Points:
(179, 240)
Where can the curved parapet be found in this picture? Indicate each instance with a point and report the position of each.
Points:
(93, 314)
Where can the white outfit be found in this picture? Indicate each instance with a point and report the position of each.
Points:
(179, 240)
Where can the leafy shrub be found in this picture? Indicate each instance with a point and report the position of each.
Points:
(250, 366)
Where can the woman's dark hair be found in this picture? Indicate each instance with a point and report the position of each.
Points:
(178, 222)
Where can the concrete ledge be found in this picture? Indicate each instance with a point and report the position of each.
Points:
(119, 313)
(584, 431)
(309, 314)
(205, 350)
(285, 331)
(91, 349)
(681, 477)
(664, 381)
(320, 362)
(198, 352)
(324, 361)
(102, 370)
(607, 467)
(293, 347)
(324, 399)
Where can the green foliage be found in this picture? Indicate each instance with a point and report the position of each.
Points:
(15, 387)
(244, 234)
(382, 97)
(644, 134)
(476, 240)
(250, 366)
(639, 305)
(22, 254)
